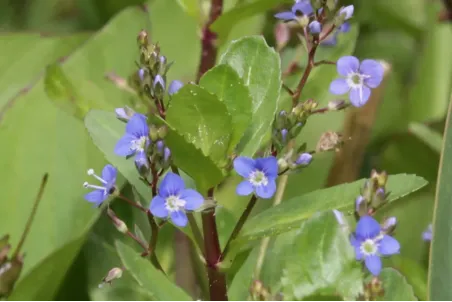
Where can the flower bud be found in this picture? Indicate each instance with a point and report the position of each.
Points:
(361, 206)
(304, 159)
(284, 135)
(153, 133)
(296, 129)
(389, 225)
(118, 223)
(124, 113)
(347, 12)
(376, 287)
(337, 105)
(159, 86)
(282, 164)
(282, 35)
(141, 73)
(166, 154)
(315, 27)
(142, 38)
(380, 178)
(160, 145)
(114, 273)
(162, 131)
(379, 198)
(174, 87)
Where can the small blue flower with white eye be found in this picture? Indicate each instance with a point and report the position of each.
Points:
(174, 200)
(370, 244)
(300, 8)
(260, 176)
(136, 140)
(101, 193)
(358, 79)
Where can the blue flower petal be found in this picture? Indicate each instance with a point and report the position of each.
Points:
(373, 69)
(244, 166)
(359, 96)
(193, 200)
(303, 6)
(179, 218)
(285, 16)
(96, 196)
(109, 174)
(158, 207)
(357, 246)
(137, 126)
(121, 113)
(159, 81)
(122, 147)
(373, 264)
(367, 228)
(267, 191)
(427, 235)
(174, 87)
(388, 246)
(339, 86)
(330, 41)
(345, 27)
(141, 159)
(244, 188)
(347, 64)
(347, 11)
(268, 165)
(172, 184)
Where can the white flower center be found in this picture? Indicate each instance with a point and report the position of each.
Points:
(138, 144)
(258, 178)
(174, 203)
(356, 79)
(369, 247)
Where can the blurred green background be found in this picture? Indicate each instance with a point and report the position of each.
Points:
(70, 246)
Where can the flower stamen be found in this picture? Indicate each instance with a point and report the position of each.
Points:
(174, 203)
(91, 173)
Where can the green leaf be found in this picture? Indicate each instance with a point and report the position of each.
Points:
(321, 261)
(61, 91)
(225, 23)
(430, 137)
(189, 159)
(225, 83)
(260, 68)
(149, 277)
(192, 7)
(415, 274)
(41, 138)
(239, 290)
(106, 130)
(430, 94)
(395, 286)
(289, 214)
(202, 120)
(440, 268)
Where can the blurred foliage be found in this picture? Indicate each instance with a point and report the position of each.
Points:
(70, 250)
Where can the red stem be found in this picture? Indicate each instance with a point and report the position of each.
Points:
(208, 47)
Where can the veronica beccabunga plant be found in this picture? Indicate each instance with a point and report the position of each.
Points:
(181, 145)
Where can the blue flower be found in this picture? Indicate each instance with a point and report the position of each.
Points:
(315, 27)
(357, 79)
(427, 235)
(174, 199)
(101, 193)
(300, 8)
(370, 244)
(135, 140)
(159, 81)
(260, 176)
(174, 87)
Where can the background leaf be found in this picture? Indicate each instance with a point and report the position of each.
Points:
(149, 277)
(260, 68)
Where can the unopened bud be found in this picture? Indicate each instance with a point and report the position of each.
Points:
(337, 105)
(315, 27)
(160, 145)
(166, 154)
(304, 159)
(379, 198)
(142, 38)
(174, 87)
(282, 35)
(376, 287)
(114, 273)
(124, 113)
(361, 206)
(380, 178)
(282, 164)
(284, 135)
(141, 73)
(281, 121)
(153, 133)
(389, 225)
(162, 131)
(118, 223)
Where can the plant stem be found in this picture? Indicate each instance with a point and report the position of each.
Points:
(133, 204)
(264, 244)
(306, 74)
(153, 241)
(208, 47)
(238, 227)
(217, 279)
